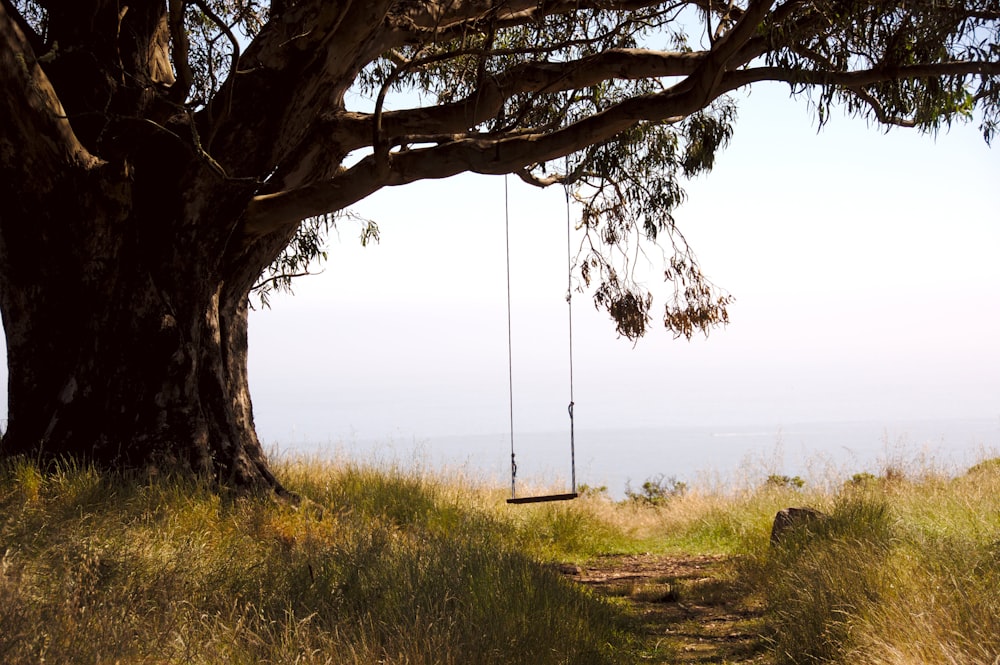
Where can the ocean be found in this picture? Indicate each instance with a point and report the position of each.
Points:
(619, 459)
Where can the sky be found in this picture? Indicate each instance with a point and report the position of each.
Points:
(863, 266)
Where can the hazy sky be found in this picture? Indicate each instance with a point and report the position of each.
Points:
(864, 267)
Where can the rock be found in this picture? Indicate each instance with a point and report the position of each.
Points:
(791, 518)
(570, 569)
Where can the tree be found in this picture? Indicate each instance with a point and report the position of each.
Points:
(161, 159)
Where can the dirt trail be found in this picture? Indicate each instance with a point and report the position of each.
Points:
(688, 609)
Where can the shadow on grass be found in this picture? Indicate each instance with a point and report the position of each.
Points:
(682, 608)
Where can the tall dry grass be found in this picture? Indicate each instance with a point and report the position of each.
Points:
(388, 565)
(379, 566)
(905, 571)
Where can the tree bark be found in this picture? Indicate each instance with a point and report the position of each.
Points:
(154, 384)
(124, 349)
(123, 297)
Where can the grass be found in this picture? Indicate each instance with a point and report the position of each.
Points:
(906, 570)
(381, 567)
(384, 565)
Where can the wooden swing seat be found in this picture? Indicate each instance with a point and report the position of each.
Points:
(543, 498)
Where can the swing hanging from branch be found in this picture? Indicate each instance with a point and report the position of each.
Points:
(572, 494)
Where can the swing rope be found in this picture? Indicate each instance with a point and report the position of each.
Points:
(569, 308)
(510, 360)
(510, 346)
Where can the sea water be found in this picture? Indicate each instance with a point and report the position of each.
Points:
(619, 459)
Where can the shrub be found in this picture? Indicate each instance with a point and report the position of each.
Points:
(864, 479)
(656, 491)
(775, 480)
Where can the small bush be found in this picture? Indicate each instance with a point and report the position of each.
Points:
(657, 491)
(863, 480)
(593, 491)
(793, 482)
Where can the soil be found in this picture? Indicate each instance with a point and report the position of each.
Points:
(688, 609)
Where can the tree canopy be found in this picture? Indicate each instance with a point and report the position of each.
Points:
(315, 105)
(161, 158)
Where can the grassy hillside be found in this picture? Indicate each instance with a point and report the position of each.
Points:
(392, 566)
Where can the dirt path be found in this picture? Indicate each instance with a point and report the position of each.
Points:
(687, 608)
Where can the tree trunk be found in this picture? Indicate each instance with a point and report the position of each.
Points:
(151, 384)
(127, 327)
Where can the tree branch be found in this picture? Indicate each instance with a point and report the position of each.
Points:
(484, 154)
(180, 46)
(497, 155)
(527, 176)
(353, 129)
(459, 147)
(226, 90)
(26, 94)
(440, 21)
(745, 77)
(879, 110)
(711, 69)
(32, 37)
(301, 63)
